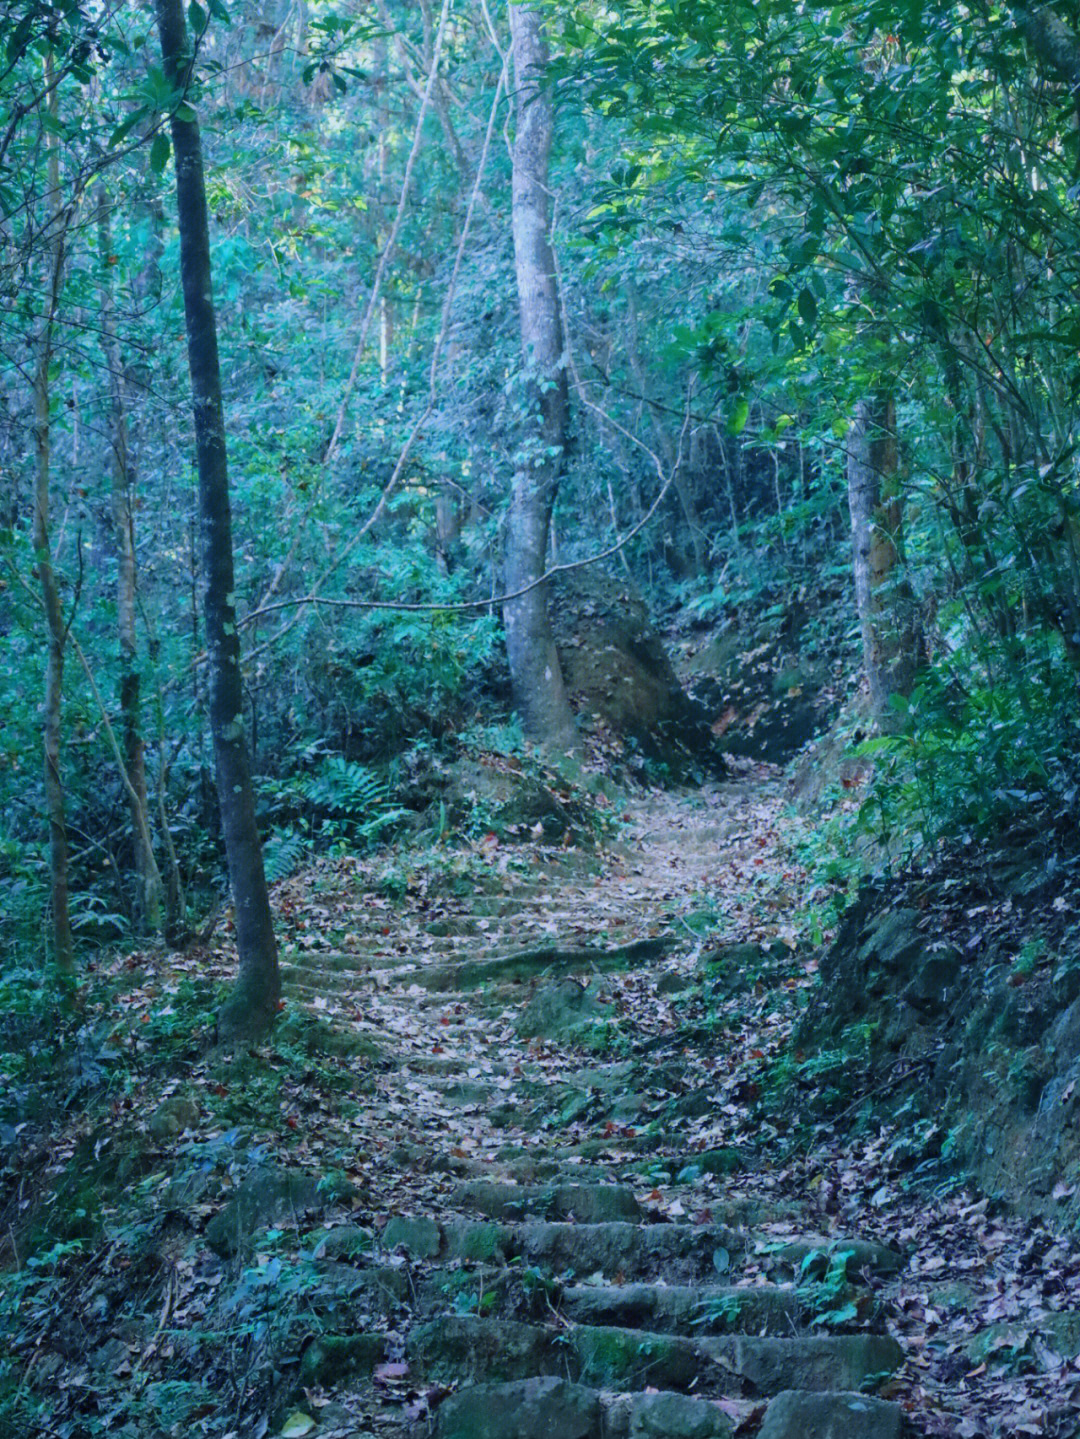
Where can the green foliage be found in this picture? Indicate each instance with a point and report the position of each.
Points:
(339, 803)
(989, 752)
(828, 1298)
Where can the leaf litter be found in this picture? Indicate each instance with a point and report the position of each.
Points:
(987, 1306)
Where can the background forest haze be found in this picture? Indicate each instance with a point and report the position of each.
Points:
(447, 444)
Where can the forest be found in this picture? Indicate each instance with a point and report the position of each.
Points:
(540, 734)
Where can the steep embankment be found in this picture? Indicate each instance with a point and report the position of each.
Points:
(545, 1138)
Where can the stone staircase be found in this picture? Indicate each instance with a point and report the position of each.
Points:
(549, 1251)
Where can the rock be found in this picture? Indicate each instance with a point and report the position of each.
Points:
(811, 1257)
(617, 1248)
(817, 1362)
(457, 1346)
(694, 1309)
(1003, 1343)
(615, 1358)
(664, 1416)
(616, 668)
(383, 1287)
(332, 1358)
(545, 1408)
(587, 1203)
(672, 982)
(515, 799)
(421, 1237)
(795, 1415)
(269, 1196)
(344, 1241)
(557, 1010)
(172, 1117)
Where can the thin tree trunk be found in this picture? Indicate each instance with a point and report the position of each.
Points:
(381, 67)
(892, 643)
(52, 735)
(388, 248)
(535, 674)
(253, 1003)
(149, 887)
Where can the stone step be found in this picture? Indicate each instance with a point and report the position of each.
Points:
(585, 1203)
(678, 1308)
(795, 1414)
(536, 1167)
(458, 1347)
(812, 1257)
(552, 1408)
(617, 1250)
(549, 961)
(438, 1064)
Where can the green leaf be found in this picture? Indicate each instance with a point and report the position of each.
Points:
(197, 17)
(807, 307)
(159, 152)
(126, 126)
(298, 1423)
(739, 416)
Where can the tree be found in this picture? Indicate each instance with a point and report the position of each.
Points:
(535, 673)
(55, 226)
(149, 888)
(253, 1003)
(892, 645)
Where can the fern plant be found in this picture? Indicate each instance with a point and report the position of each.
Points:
(341, 803)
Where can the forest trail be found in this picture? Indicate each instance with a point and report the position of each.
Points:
(530, 1120)
(569, 1230)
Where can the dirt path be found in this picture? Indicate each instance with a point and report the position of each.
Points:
(563, 1230)
(534, 1179)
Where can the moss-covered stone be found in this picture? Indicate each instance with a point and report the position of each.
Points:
(587, 1203)
(793, 1415)
(538, 1408)
(172, 1117)
(268, 1196)
(616, 1358)
(419, 1236)
(813, 1362)
(478, 1243)
(665, 1416)
(333, 1358)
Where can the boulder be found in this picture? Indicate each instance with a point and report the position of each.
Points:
(617, 671)
(666, 1415)
(173, 1116)
(528, 1409)
(797, 1415)
(556, 1010)
(269, 1196)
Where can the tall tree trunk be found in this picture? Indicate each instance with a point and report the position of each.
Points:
(381, 69)
(253, 1003)
(535, 674)
(149, 889)
(52, 735)
(892, 644)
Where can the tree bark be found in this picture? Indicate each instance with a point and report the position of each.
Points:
(535, 674)
(149, 890)
(892, 644)
(52, 733)
(253, 1003)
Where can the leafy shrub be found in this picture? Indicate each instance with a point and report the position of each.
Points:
(989, 750)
